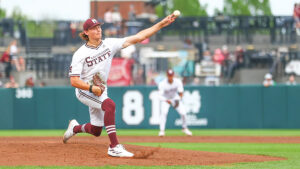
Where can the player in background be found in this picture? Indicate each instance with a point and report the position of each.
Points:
(93, 59)
(170, 93)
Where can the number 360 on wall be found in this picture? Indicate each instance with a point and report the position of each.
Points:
(24, 93)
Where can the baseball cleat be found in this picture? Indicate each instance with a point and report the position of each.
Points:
(187, 132)
(161, 133)
(119, 151)
(69, 133)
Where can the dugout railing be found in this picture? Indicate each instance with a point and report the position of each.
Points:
(234, 29)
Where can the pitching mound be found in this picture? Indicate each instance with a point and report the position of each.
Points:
(91, 151)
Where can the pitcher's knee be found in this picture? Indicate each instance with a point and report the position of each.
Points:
(109, 105)
(96, 131)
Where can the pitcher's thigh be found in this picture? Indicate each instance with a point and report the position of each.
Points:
(96, 117)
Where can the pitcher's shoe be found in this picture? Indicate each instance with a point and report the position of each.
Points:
(187, 132)
(161, 133)
(69, 133)
(119, 151)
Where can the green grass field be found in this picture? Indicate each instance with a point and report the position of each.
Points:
(289, 151)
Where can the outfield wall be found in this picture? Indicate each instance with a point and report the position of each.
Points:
(138, 107)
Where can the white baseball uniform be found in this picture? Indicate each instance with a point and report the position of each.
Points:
(86, 62)
(14, 51)
(170, 92)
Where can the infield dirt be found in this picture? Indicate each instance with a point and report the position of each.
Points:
(92, 151)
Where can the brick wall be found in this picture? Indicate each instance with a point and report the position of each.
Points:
(98, 8)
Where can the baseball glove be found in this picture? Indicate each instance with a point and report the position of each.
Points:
(97, 81)
(176, 104)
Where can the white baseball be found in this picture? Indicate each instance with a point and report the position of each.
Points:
(176, 13)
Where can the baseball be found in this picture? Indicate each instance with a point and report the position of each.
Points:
(176, 13)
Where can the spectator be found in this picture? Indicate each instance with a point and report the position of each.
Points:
(29, 82)
(225, 53)
(291, 80)
(73, 28)
(188, 44)
(218, 56)
(117, 19)
(207, 56)
(22, 63)
(42, 84)
(296, 16)
(131, 13)
(110, 30)
(139, 77)
(235, 62)
(196, 81)
(19, 62)
(108, 16)
(6, 59)
(149, 13)
(152, 14)
(239, 56)
(133, 26)
(11, 83)
(268, 80)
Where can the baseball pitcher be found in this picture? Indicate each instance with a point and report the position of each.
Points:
(89, 72)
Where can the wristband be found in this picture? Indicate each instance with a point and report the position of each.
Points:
(90, 89)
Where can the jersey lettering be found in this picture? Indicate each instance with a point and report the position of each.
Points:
(171, 91)
(87, 61)
(95, 60)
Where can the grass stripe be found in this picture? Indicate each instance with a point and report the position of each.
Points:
(289, 151)
(171, 132)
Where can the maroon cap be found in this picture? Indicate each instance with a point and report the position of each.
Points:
(170, 72)
(90, 23)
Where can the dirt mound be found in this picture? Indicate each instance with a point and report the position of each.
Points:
(91, 151)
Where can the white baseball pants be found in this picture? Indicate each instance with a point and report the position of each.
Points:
(94, 103)
(164, 109)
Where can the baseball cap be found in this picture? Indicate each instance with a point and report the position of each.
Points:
(268, 76)
(170, 72)
(89, 23)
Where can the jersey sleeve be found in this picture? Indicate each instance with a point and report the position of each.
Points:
(116, 44)
(180, 86)
(76, 65)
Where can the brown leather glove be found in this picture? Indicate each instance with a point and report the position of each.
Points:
(97, 81)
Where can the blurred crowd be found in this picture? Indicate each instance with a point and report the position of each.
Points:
(226, 60)
(229, 61)
(10, 61)
(114, 24)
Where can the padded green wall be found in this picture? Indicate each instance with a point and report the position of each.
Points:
(6, 108)
(224, 107)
